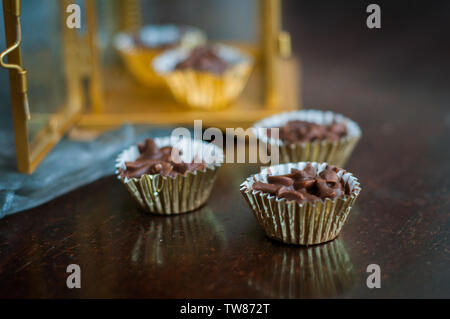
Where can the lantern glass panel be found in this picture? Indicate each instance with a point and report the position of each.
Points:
(123, 92)
(44, 64)
(42, 57)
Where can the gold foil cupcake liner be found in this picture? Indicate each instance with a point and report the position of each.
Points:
(136, 61)
(203, 90)
(335, 153)
(302, 224)
(179, 194)
(138, 58)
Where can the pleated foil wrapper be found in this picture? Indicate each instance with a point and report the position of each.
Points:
(332, 152)
(205, 90)
(309, 223)
(138, 58)
(322, 271)
(174, 195)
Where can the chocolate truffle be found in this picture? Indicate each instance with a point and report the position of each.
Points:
(205, 59)
(305, 185)
(155, 160)
(301, 131)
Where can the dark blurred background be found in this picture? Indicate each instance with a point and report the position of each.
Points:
(403, 66)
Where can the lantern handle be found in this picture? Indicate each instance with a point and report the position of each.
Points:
(23, 87)
(11, 49)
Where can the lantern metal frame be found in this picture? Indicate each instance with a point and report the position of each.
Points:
(93, 107)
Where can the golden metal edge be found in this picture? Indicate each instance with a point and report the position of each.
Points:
(10, 13)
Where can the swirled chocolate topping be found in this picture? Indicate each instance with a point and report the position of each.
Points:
(205, 59)
(155, 160)
(302, 131)
(305, 185)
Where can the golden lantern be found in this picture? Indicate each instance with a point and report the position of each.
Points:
(61, 76)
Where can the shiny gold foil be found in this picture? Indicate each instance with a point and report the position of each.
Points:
(167, 195)
(138, 59)
(208, 91)
(302, 224)
(173, 195)
(205, 90)
(335, 153)
(138, 62)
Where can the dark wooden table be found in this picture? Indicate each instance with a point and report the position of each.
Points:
(391, 82)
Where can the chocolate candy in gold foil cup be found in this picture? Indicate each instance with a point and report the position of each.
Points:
(201, 89)
(302, 224)
(139, 50)
(332, 152)
(167, 195)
